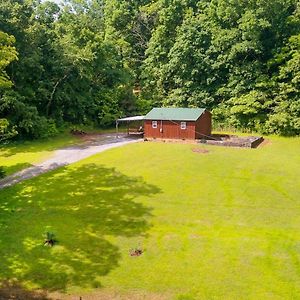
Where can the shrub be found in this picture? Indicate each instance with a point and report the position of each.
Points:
(6, 131)
(2, 172)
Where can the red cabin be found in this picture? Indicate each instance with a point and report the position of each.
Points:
(177, 123)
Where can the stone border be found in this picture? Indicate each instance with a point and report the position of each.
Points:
(234, 141)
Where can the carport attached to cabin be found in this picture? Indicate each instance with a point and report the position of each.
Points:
(136, 125)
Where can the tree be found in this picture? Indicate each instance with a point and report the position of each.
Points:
(8, 54)
(217, 54)
(79, 61)
(285, 113)
(5, 131)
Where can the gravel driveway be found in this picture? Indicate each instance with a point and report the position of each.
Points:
(68, 155)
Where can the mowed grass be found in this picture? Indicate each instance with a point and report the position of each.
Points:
(20, 155)
(220, 225)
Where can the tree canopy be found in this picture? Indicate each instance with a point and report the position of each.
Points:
(78, 62)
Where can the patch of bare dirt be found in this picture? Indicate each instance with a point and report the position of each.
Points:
(200, 150)
(177, 141)
(89, 138)
(266, 142)
(14, 291)
(77, 132)
(110, 295)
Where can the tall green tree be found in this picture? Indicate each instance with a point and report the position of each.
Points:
(217, 54)
(8, 54)
(79, 61)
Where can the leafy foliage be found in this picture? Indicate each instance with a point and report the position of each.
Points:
(67, 70)
(8, 54)
(49, 239)
(79, 61)
(5, 131)
(2, 172)
(237, 58)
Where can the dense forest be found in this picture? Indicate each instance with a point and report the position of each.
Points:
(79, 62)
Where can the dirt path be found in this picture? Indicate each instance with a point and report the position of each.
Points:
(68, 155)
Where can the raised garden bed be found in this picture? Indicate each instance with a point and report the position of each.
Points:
(234, 141)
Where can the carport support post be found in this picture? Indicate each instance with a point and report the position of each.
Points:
(117, 129)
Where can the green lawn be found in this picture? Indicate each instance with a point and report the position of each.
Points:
(19, 155)
(221, 225)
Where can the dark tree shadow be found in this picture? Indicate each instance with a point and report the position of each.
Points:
(86, 208)
(15, 168)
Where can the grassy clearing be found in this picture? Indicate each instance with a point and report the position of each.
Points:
(221, 225)
(19, 155)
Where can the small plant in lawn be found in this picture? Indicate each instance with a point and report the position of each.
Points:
(49, 240)
(136, 251)
(2, 172)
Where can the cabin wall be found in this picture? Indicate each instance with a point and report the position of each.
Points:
(203, 125)
(170, 130)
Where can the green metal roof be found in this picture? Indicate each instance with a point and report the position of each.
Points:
(176, 114)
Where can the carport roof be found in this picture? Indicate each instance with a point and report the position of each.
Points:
(135, 118)
(177, 114)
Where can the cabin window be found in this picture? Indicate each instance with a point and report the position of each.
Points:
(154, 124)
(182, 125)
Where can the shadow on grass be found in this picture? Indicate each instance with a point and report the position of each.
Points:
(12, 291)
(15, 168)
(32, 146)
(86, 208)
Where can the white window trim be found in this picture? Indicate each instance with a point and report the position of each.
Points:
(183, 125)
(154, 124)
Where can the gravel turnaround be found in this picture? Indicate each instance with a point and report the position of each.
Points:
(66, 156)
